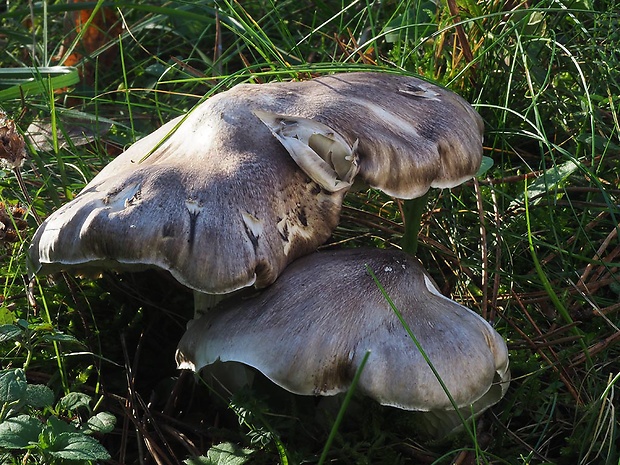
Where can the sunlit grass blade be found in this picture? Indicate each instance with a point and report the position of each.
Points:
(20, 82)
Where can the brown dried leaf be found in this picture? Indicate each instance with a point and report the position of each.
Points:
(12, 223)
(104, 28)
(12, 145)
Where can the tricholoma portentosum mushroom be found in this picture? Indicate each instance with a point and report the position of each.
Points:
(310, 330)
(215, 199)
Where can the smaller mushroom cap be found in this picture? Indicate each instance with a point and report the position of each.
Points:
(408, 134)
(310, 330)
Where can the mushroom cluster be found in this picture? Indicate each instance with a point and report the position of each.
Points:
(252, 180)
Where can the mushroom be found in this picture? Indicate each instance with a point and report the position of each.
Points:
(310, 330)
(409, 135)
(215, 199)
(212, 197)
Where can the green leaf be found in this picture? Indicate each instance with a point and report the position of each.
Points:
(548, 182)
(74, 401)
(20, 431)
(77, 446)
(60, 337)
(486, 165)
(9, 332)
(57, 426)
(12, 385)
(226, 453)
(6, 316)
(39, 396)
(103, 422)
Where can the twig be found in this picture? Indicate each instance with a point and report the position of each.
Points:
(498, 254)
(460, 32)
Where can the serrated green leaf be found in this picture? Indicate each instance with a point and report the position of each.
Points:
(12, 385)
(77, 446)
(226, 453)
(103, 422)
(39, 396)
(20, 431)
(74, 401)
(9, 332)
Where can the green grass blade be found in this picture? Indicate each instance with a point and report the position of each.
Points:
(343, 409)
(35, 81)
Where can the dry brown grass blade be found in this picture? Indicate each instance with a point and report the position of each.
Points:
(137, 412)
(144, 437)
(191, 448)
(130, 410)
(612, 235)
(596, 348)
(610, 309)
(556, 364)
(151, 440)
(353, 47)
(217, 47)
(188, 69)
(371, 220)
(462, 36)
(511, 179)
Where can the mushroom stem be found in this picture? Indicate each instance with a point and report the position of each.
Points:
(204, 302)
(412, 217)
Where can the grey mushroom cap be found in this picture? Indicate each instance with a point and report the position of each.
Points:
(408, 134)
(226, 196)
(218, 202)
(310, 330)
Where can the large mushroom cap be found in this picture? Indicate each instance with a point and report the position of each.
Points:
(310, 330)
(216, 198)
(219, 203)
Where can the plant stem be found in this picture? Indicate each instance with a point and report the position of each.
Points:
(412, 217)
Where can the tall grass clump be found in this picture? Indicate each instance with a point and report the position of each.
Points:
(87, 366)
